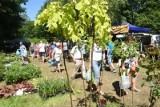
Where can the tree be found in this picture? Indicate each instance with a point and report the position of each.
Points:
(27, 30)
(49, 1)
(114, 9)
(11, 19)
(25, 16)
(143, 13)
(73, 20)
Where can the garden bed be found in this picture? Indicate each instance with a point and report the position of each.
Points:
(16, 89)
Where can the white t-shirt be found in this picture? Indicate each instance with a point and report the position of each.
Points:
(65, 47)
(131, 61)
(57, 54)
(41, 47)
(97, 53)
(76, 52)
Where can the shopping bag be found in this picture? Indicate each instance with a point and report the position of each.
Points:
(50, 60)
(25, 52)
(88, 75)
(18, 52)
(125, 81)
(83, 70)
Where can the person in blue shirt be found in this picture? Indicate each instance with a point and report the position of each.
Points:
(52, 48)
(109, 56)
(23, 51)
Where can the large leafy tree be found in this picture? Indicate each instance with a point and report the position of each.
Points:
(49, 1)
(10, 17)
(73, 20)
(115, 11)
(143, 13)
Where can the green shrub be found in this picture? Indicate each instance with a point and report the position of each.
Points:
(2, 69)
(17, 73)
(36, 40)
(8, 59)
(49, 88)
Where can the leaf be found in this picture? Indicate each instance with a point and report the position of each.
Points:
(79, 6)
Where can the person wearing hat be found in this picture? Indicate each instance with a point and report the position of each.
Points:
(56, 56)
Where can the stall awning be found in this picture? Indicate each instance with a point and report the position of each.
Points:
(128, 28)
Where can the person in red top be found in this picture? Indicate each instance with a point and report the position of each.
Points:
(37, 50)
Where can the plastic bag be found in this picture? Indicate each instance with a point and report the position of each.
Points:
(18, 52)
(25, 52)
(125, 83)
(88, 75)
(83, 70)
(50, 60)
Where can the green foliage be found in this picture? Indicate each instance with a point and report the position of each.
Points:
(28, 30)
(10, 16)
(49, 88)
(49, 1)
(36, 40)
(115, 11)
(33, 100)
(2, 69)
(153, 76)
(8, 59)
(142, 13)
(124, 51)
(73, 23)
(17, 73)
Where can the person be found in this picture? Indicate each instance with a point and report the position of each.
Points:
(65, 49)
(56, 56)
(96, 64)
(42, 50)
(32, 47)
(52, 47)
(23, 51)
(46, 49)
(131, 64)
(109, 56)
(36, 52)
(77, 58)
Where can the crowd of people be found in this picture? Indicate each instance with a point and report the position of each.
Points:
(53, 52)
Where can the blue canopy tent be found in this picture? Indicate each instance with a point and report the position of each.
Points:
(128, 28)
(135, 29)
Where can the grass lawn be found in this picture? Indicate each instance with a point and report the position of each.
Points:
(33, 100)
(113, 100)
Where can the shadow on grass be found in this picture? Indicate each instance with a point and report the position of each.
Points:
(119, 92)
(82, 102)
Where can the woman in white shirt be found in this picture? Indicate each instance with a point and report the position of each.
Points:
(56, 55)
(42, 50)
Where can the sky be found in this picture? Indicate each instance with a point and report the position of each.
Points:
(32, 8)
